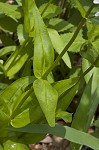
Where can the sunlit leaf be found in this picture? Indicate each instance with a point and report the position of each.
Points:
(10, 10)
(43, 50)
(58, 45)
(47, 96)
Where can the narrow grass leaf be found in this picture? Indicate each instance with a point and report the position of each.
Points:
(65, 132)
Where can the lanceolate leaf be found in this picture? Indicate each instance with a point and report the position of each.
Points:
(30, 111)
(7, 50)
(7, 23)
(80, 8)
(66, 98)
(64, 132)
(43, 50)
(28, 15)
(18, 58)
(10, 10)
(13, 92)
(58, 45)
(75, 47)
(63, 85)
(47, 97)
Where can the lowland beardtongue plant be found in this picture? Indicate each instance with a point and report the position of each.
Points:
(96, 2)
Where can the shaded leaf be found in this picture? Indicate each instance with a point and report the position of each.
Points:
(7, 23)
(64, 132)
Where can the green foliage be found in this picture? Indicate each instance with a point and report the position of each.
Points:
(49, 56)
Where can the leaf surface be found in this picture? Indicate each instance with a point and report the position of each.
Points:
(43, 49)
(58, 45)
(47, 96)
(64, 132)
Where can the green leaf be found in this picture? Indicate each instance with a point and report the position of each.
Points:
(7, 40)
(1, 148)
(86, 109)
(96, 123)
(94, 20)
(4, 113)
(3, 86)
(75, 47)
(16, 61)
(7, 50)
(21, 34)
(83, 112)
(10, 10)
(63, 85)
(43, 50)
(64, 132)
(94, 72)
(66, 98)
(51, 11)
(67, 117)
(11, 145)
(47, 96)
(80, 8)
(88, 52)
(19, 2)
(11, 94)
(30, 138)
(4, 118)
(7, 24)
(59, 24)
(27, 71)
(28, 15)
(85, 65)
(58, 45)
(30, 111)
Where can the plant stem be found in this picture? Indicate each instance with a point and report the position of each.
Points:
(68, 44)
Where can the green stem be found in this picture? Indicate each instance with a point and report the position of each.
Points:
(46, 7)
(68, 44)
